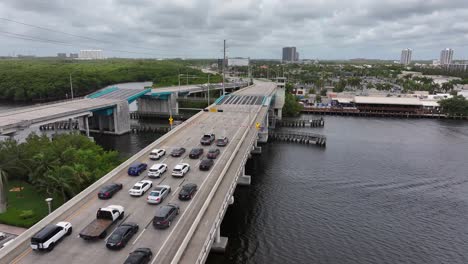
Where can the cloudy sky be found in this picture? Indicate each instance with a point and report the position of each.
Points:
(324, 29)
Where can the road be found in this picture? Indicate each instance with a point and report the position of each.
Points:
(232, 123)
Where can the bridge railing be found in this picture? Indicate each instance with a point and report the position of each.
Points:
(21, 243)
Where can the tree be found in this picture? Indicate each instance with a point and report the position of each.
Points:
(457, 105)
(291, 105)
(3, 191)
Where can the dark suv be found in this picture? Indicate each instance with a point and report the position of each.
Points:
(206, 164)
(109, 190)
(165, 215)
(136, 169)
(195, 153)
(177, 152)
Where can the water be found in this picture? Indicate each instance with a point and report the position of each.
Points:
(383, 191)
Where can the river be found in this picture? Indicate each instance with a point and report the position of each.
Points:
(382, 191)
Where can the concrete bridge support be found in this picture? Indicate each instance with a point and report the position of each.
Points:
(167, 104)
(220, 243)
(244, 180)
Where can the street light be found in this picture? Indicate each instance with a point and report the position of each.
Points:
(49, 204)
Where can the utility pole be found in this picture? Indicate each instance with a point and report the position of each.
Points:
(208, 89)
(224, 72)
(71, 86)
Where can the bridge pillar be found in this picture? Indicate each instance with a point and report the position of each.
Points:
(86, 125)
(219, 243)
(244, 180)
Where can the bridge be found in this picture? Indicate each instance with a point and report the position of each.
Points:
(104, 111)
(196, 230)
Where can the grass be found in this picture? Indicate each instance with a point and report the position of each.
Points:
(29, 199)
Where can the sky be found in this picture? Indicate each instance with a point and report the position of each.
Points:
(322, 29)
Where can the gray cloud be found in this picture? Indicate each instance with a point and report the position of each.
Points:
(326, 29)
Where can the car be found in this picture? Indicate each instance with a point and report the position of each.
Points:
(206, 164)
(207, 139)
(139, 256)
(195, 153)
(50, 235)
(213, 153)
(158, 194)
(180, 169)
(109, 190)
(222, 142)
(121, 235)
(165, 215)
(177, 152)
(188, 191)
(157, 170)
(137, 168)
(140, 188)
(156, 154)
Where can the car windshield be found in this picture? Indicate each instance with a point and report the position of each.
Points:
(212, 151)
(116, 235)
(176, 169)
(136, 188)
(154, 193)
(153, 170)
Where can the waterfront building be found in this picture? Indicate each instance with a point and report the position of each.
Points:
(406, 55)
(91, 54)
(446, 56)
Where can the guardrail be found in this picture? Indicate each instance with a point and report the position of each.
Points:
(21, 244)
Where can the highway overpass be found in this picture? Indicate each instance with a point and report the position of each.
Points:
(196, 229)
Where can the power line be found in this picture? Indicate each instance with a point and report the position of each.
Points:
(69, 34)
(32, 38)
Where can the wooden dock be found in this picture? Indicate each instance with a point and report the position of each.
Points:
(298, 137)
(300, 122)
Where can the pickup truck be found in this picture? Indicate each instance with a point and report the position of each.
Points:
(105, 217)
(207, 139)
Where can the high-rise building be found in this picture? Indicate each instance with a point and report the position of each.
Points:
(296, 56)
(446, 56)
(91, 54)
(289, 54)
(406, 56)
(61, 55)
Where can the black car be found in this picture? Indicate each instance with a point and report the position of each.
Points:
(206, 164)
(222, 142)
(121, 235)
(165, 215)
(196, 153)
(139, 256)
(177, 152)
(188, 191)
(109, 190)
(213, 153)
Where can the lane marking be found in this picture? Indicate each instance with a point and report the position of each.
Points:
(186, 210)
(136, 239)
(175, 191)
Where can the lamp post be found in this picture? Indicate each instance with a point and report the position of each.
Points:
(208, 87)
(49, 204)
(71, 86)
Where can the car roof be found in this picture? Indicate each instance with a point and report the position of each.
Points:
(155, 150)
(136, 164)
(189, 185)
(207, 161)
(46, 230)
(157, 165)
(141, 183)
(163, 210)
(180, 165)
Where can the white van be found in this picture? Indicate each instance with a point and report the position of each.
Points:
(50, 235)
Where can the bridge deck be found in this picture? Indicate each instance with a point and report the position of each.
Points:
(232, 123)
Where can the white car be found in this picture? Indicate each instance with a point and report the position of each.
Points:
(158, 194)
(140, 188)
(156, 154)
(50, 235)
(180, 169)
(157, 170)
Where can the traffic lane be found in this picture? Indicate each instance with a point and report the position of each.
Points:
(84, 214)
(172, 243)
(82, 219)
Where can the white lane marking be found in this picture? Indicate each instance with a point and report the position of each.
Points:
(174, 192)
(187, 208)
(138, 237)
(198, 163)
(162, 161)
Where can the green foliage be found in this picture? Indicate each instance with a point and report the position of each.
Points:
(455, 106)
(323, 92)
(29, 199)
(62, 167)
(45, 80)
(291, 106)
(318, 98)
(25, 214)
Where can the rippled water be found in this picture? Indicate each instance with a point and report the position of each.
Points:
(383, 191)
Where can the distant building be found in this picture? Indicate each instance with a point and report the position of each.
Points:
(406, 55)
(61, 55)
(296, 56)
(446, 56)
(456, 67)
(289, 54)
(74, 55)
(91, 54)
(238, 61)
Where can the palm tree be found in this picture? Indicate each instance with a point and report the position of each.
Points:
(3, 191)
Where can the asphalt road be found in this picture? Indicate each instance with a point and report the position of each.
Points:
(231, 123)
